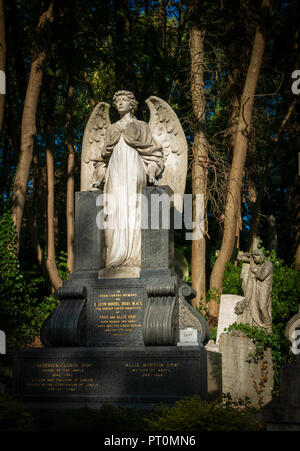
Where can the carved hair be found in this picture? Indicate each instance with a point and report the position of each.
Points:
(133, 102)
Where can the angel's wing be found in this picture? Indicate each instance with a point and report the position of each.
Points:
(167, 131)
(92, 143)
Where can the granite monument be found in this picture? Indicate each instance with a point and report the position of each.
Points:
(113, 337)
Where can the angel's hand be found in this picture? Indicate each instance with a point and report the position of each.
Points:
(243, 257)
(94, 185)
(153, 181)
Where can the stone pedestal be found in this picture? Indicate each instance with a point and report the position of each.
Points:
(241, 376)
(53, 378)
(113, 340)
(283, 413)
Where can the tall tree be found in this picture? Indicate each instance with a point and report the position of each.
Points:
(200, 153)
(233, 203)
(28, 126)
(2, 61)
(51, 263)
(297, 196)
(70, 213)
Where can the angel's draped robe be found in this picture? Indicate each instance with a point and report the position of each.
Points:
(128, 151)
(257, 291)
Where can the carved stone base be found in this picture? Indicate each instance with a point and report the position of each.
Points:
(119, 273)
(243, 377)
(77, 377)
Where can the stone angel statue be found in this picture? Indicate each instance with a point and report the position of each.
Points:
(127, 155)
(257, 279)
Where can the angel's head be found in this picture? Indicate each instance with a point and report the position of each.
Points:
(258, 256)
(125, 102)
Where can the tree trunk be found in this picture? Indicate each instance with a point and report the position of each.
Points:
(297, 194)
(232, 207)
(28, 127)
(36, 246)
(70, 213)
(297, 202)
(200, 154)
(51, 263)
(2, 62)
(51, 217)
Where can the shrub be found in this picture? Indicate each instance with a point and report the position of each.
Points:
(105, 419)
(194, 414)
(21, 310)
(232, 283)
(14, 416)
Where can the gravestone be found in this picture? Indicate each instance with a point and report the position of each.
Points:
(227, 315)
(242, 376)
(114, 340)
(283, 412)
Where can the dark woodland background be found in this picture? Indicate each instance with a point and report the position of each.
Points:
(62, 57)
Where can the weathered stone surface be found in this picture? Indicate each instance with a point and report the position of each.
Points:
(188, 316)
(227, 315)
(165, 128)
(241, 376)
(257, 279)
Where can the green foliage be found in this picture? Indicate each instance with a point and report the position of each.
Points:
(276, 341)
(188, 414)
(285, 292)
(105, 419)
(14, 416)
(213, 333)
(61, 263)
(21, 311)
(232, 283)
(194, 414)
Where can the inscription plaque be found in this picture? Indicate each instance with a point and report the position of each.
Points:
(116, 316)
(86, 376)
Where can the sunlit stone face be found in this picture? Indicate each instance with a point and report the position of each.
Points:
(123, 104)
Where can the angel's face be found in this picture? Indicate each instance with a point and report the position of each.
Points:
(258, 259)
(123, 105)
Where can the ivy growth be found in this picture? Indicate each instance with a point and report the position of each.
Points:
(276, 341)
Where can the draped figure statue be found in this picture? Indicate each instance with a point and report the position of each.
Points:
(257, 278)
(125, 156)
